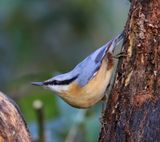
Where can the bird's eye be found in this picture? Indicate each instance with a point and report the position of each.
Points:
(53, 82)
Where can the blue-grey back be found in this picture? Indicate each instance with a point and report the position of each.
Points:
(90, 65)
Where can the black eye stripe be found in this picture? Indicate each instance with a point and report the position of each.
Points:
(63, 82)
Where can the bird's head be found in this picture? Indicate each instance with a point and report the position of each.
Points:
(58, 83)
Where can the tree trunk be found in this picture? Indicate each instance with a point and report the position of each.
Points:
(12, 125)
(133, 110)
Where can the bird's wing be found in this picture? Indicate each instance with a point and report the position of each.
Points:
(86, 70)
(90, 65)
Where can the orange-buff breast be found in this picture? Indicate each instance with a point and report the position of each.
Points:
(93, 92)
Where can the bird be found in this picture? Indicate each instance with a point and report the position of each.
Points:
(85, 85)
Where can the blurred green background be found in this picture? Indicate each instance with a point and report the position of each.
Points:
(41, 38)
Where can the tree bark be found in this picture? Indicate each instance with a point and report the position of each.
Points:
(133, 110)
(12, 125)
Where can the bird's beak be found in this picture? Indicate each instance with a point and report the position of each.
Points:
(38, 83)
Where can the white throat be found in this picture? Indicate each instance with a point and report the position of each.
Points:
(58, 88)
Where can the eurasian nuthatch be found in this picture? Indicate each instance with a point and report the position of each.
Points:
(85, 85)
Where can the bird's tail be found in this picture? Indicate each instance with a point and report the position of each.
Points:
(115, 41)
